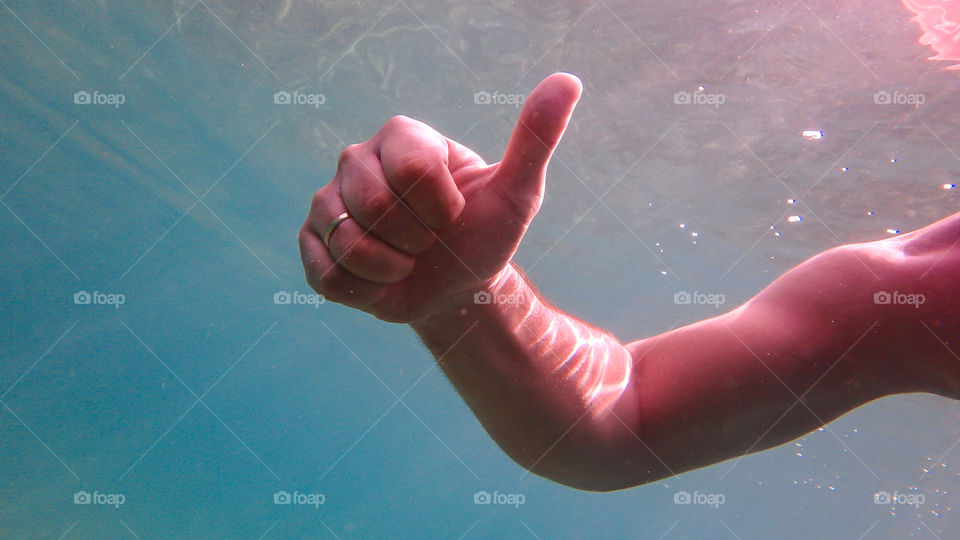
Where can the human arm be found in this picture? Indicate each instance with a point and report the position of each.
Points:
(434, 225)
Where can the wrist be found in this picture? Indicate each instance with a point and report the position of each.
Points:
(503, 288)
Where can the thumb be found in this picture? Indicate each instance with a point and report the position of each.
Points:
(543, 119)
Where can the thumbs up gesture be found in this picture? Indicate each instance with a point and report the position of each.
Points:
(414, 222)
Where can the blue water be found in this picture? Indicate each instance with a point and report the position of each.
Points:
(200, 398)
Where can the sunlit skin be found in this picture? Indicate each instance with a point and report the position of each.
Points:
(433, 225)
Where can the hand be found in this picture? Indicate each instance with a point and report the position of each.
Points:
(431, 223)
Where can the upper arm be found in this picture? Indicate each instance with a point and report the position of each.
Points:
(794, 357)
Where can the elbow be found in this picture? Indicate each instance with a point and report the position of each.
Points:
(592, 469)
(597, 478)
(595, 485)
(601, 455)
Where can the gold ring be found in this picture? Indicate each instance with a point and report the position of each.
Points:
(332, 226)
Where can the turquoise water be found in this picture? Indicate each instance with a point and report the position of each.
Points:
(186, 408)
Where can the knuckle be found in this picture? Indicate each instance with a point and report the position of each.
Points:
(415, 169)
(318, 200)
(356, 255)
(318, 280)
(397, 121)
(331, 282)
(302, 237)
(418, 243)
(376, 205)
(348, 157)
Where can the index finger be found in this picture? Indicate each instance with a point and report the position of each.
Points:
(415, 160)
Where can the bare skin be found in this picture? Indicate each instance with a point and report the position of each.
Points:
(433, 226)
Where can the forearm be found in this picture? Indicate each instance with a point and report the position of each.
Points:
(545, 385)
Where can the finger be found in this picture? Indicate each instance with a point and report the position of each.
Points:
(543, 119)
(353, 247)
(376, 207)
(330, 280)
(415, 162)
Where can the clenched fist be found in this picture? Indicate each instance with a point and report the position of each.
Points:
(416, 222)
